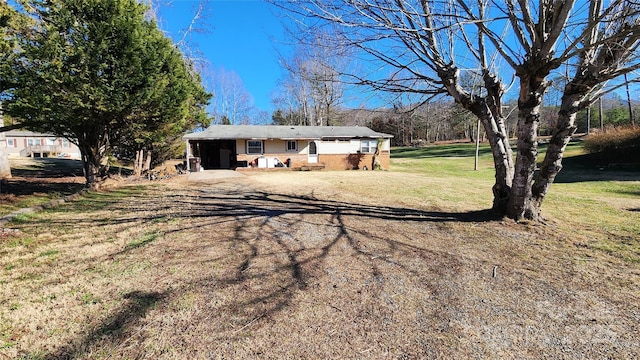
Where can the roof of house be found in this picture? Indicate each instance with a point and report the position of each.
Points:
(284, 132)
(26, 133)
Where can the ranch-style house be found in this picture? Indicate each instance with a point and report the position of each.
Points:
(22, 143)
(298, 147)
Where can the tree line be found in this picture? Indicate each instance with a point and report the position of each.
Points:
(442, 121)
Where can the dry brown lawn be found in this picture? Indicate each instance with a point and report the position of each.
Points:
(309, 265)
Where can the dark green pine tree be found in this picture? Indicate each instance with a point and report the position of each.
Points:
(103, 75)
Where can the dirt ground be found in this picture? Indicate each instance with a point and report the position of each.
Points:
(291, 267)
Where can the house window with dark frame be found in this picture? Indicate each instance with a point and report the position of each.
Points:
(292, 145)
(368, 146)
(254, 147)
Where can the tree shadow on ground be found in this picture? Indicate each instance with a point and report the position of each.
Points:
(593, 167)
(24, 187)
(48, 176)
(257, 227)
(43, 176)
(49, 168)
(114, 328)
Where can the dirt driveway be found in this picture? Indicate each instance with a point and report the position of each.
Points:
(260, 268)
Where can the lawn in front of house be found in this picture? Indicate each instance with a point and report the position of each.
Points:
(358, 264)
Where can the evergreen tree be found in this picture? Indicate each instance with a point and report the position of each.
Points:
(101, 74)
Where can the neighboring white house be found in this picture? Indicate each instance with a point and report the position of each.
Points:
(267, 146)
(32, 144)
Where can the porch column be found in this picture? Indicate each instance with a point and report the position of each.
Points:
(188, 155)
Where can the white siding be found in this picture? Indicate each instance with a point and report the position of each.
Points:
(324, 147)
(275, 147)
(338, 147)
(241, 147)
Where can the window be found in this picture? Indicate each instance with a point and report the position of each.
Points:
(51, 142)
(11, 143)
(65, 143)
(254, 147)
(368, 146)
(292, 145)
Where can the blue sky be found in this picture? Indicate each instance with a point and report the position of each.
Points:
(241, 36)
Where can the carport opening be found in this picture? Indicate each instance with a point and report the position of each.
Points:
(216, 154)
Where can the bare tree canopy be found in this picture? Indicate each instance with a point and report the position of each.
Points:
(311, 89)
(424, 47)
(231, 103)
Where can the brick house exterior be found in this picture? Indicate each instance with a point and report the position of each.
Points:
(298, 147)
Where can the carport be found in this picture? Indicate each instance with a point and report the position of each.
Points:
(213, 154)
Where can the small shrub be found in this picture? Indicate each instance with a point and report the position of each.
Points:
(618, 145)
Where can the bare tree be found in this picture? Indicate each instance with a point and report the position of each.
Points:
(599, 41)
(606, 49)
(411, 46)
(231, 102)
(295, 91)
(312, 85)
(426, 45)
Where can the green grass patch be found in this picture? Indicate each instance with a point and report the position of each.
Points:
(444, 160)
(7, 345)
(49, 253)
(10, 203)
(582, 193)
(29, 277)
(89, 299)
(38, 355)
(142, 241)
(21, 241)
(466, 150)
(101, 200)
(23, 218)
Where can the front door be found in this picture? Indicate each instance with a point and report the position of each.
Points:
(313, 152)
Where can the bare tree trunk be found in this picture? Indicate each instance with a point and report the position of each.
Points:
(502, 161)
(529, 104)
(575, 94)
(5, 167)
(94, 171)
(552, 163)
(93, 148)
(376, 164)
(147, 163)
(475, 164)
(489, 111)
(137, 163)
(601, 114)
(629, 101)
